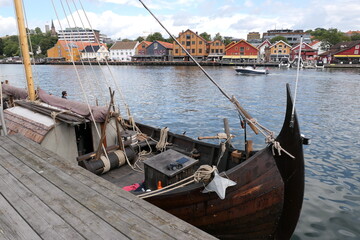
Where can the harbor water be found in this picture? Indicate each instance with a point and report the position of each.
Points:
(183, 99)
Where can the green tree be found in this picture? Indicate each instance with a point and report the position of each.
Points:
(38, 30)
(218, 37)
(11, 49)
(278, 38)
(155, 36)
(140, 39)
(205, 36)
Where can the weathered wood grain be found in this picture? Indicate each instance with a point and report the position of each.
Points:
(133, 217)
(12, 225)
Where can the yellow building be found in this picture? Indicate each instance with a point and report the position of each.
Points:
(68, 50)
(193, 43)
(279, 50)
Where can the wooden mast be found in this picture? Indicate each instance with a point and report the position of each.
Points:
(25, 48)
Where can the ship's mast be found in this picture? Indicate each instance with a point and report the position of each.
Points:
(24, 48)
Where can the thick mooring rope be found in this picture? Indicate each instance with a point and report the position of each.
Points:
(203, 174)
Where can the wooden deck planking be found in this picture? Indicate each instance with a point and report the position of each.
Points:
(158, 218)
(10, 218)
(88, 204)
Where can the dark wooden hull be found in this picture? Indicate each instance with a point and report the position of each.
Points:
(265, 203)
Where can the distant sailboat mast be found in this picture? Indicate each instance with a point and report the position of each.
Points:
(24, 48)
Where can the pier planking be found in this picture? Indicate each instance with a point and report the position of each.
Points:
(52, 198)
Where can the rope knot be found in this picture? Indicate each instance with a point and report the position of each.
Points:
(204, 173)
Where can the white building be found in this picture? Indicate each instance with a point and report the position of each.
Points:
(79, 34)
(98, 53)
(262, 49)
(122, 51)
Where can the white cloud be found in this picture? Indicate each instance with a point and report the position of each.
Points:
(8, 26)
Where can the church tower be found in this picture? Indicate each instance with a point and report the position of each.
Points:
(53, 32)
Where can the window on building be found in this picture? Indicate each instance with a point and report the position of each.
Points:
(217, 50)
(242, 49)
(193, 42)
(217, 43)
(279, 51)
(357, 46)
(280, 46)
(284, 51)
(183, 42)
(200, 50)
(221, 51)
(200, 42)
(187, 36)
(236, 48)
(192, 50)
(274, 51)
(212, 50)
(176, 50)
(356, 51)
(187, 43)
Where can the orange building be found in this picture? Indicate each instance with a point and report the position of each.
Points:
(279, 50)
(141, 48)
(68, 50)
(193, 43)
(216, 50)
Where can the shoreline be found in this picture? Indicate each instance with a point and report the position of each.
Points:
(182, 63)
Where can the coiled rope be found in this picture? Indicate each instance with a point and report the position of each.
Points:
(203, 174)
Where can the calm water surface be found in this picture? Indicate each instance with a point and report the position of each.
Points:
(182, 98)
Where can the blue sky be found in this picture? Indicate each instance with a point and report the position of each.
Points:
(128, 19)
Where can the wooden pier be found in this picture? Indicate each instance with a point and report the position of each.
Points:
(43, 196)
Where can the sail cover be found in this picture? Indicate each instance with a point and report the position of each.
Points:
(76, 107)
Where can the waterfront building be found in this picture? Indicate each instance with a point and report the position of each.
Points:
(279, 50)
(264, 51)
(241, 51)
(80, 34)
(253, 36)
(216, 50)
(156, 51)
(67, 50)
(97, 52)
(352, 33)
(318, 46)
(343, 52)
(141, 48)
(307, 52)
(123, 51)
(193, 43)
(292, 36)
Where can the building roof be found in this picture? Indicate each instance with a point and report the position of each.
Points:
(91, 48)
(146, 42)
(265, 42)
(77, 44)
(298, 45)
(339, 47)
(281, 41)
(166, 44)
(120, 45)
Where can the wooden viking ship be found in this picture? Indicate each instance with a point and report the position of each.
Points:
(263, 200)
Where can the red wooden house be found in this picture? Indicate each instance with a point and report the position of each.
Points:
(343, 52)
(241, 50)
(307, 52)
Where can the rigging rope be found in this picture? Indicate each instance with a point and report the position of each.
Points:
(252, 122)
(79, 80)
(296, 84)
